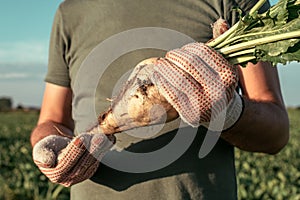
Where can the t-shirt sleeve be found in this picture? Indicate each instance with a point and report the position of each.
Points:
(58, 70)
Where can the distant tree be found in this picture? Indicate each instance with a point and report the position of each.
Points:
(5, 104)
(20, 107)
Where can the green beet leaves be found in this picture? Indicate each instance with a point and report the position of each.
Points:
(285, 19)
(272, 36)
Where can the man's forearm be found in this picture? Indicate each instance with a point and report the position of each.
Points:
(49, 128)
(263, 127)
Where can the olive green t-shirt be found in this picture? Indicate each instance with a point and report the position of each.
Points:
(94, 45)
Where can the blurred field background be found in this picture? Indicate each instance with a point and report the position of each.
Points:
(259, 176)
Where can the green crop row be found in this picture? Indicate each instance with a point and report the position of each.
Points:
(272, 177)
(19, 177)
(259, 176)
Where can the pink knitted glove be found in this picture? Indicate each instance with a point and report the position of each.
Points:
(70, 161)
(200, 84)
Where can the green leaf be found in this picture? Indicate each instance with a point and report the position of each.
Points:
(281, 51)
(274, 35)
(279, 12)
(293, 9)
(292, 54)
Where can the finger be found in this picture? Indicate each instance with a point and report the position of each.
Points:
(196, 67)
(43, 157)
(183, 82)
(206, 75)
(84, 169)
(228, 72)
(46, 150)
(86, 166)
(214, 98)
(81, 174)
(178, 78)
(178, 100)
(100, 144)
(209, 55)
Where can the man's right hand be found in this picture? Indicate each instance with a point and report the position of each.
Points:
(69, 161)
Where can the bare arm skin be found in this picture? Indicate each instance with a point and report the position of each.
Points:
(55, 116)
(264, 124)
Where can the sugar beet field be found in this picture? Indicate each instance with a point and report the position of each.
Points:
(260, 176)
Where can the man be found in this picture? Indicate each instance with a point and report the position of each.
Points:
(79, 30)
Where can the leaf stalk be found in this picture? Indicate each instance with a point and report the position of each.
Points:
(260, 41)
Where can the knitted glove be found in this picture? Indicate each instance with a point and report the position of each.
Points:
(200, 84)
(69, 161)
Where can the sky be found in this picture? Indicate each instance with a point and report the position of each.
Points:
(24, 40)
(25, 27)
